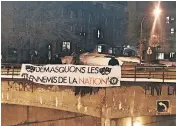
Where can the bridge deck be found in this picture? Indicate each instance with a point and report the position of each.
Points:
(130, 99)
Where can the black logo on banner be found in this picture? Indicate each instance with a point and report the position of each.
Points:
(114, 80)
(30, 68)
(105, 70)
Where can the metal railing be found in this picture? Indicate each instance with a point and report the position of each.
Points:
(127, 71)
(150, 72)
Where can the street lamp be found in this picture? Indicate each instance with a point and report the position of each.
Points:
(156, 13)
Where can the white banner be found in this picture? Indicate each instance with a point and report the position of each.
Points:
(72, 75)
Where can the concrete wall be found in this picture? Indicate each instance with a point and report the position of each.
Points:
(35, 116)
(130, 99)
(147, 121)
(55, 97)
(136, 99)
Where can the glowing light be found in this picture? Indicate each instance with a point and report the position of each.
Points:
(157, 12)
(137, 123)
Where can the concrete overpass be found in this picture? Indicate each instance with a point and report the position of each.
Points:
(114, 106)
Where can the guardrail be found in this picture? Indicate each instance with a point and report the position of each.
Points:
(151, 72)
(128, 71)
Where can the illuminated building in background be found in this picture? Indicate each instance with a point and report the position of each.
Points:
(165, 33)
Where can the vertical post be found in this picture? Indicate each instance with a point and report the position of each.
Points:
(141, 30)
(7, 70)
(32, 86)
(12, 71)
(141, 34)
(163, 74)
(150, 70)
(135, 73)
